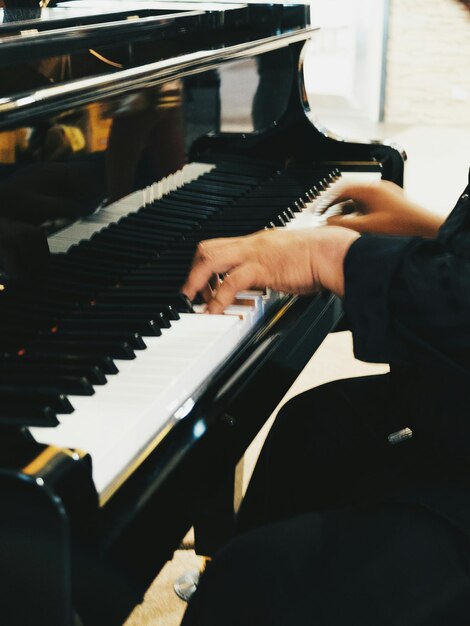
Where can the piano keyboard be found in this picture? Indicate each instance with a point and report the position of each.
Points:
(83, 229)
(117, 355)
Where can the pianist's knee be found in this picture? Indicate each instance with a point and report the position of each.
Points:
(330, 425)
(388, 565)
(318, 447)
(253, 579)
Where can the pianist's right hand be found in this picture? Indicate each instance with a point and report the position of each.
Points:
(298, 262)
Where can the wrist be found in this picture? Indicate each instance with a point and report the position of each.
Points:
(431, 225)
(331, 249)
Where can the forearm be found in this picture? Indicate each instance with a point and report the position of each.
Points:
(416, 221)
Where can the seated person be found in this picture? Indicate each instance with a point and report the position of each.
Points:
(358, 512)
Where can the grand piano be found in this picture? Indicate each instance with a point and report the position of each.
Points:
(123, 412)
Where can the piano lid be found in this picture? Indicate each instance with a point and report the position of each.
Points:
(15, 20)
(32, 33)
(183, 5)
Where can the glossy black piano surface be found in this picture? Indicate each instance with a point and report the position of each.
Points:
(126, 140)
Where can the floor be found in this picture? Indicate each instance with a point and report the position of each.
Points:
(437, 171)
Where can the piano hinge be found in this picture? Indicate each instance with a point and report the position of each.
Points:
(30, 32)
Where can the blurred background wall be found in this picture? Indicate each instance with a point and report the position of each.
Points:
(398, 61)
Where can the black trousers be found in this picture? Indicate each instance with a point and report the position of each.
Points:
(325, 539)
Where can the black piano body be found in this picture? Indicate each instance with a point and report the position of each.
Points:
(94, 106)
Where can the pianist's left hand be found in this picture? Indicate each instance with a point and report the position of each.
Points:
(381, 207)
(296, 262)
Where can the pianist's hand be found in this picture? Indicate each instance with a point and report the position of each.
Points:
(381, 207)
(298, 262)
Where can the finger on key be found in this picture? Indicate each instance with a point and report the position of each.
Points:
(241, 279)
(212, 257)
(340, 206)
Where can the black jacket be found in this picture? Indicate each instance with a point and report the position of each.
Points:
(408, 303)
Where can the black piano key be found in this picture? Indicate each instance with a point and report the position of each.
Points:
(21, 367)
(156, 279)
(241, 183)
(88, 336)
(192, 216)
(76, 385)
(189, 204)
(71, 284)
(256, 214)
(163, 263)
(148, 236)
(26, 414)
(112, 349)
(103, 250)
(163, 320)
(264, 203)
(199, 199)
(141, 294)
(94, 275)
(181, 250)
(72, 292)
(136, 310)
(128, 242)
(172, 207)
(234, 178)
(54, 359)
(166, 220)
(155, 224)
(21, 396)
(11, 324)
(160, 319)
(115, 323)
(214, 197)
(80, 255)
(215, 184)
(235, 231)
(151, 228)
(43, 313)
(129, 296)
(251, 223)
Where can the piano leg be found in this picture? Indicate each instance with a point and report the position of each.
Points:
(35, 554)
(214, 525)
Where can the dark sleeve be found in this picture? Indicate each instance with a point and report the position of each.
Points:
(408, 301)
